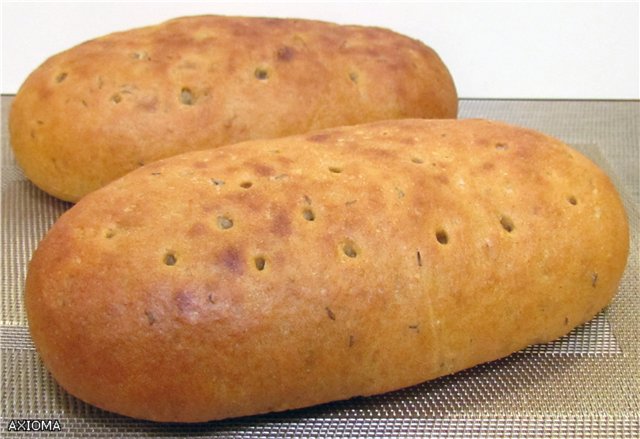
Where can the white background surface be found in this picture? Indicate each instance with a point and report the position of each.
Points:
(559, 50)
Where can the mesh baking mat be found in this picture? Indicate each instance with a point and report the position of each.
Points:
(583, 385)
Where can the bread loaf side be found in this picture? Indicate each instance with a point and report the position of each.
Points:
(90, 114)
(277, 274)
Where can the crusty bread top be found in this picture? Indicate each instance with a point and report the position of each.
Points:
(281, 273)
(110, 105)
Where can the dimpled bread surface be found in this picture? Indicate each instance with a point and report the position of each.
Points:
(105, 107)
(283, 273)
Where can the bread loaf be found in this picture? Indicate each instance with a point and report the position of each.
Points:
(276, 274)
(90, 114)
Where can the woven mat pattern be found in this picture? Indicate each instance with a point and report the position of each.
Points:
(585, 384)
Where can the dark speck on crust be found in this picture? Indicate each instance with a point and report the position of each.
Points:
(487, 166)
(318, 138)
(383, 154)
(330, 313)
(232, 260)
(262, 170)
(198, 230)
(285, 53)
(442, 178)
(185, 301)
(281, 225)
(148, 104)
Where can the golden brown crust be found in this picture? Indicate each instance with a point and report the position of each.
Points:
(283, 273)
(103, 108)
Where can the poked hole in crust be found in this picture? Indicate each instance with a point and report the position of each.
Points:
(349, 248)
(186, 96)
(224, 222)
(61, 77)
(507, 223)
(308, 215)
(170, 258)
(442, 236)
(260, 263)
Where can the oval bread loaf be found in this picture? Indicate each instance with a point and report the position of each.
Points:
(282, 273)
(95, 112)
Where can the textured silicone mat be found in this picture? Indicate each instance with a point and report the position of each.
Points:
(584, 385)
